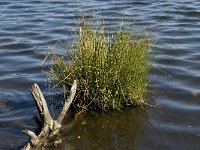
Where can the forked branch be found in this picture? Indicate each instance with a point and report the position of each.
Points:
(48, 126)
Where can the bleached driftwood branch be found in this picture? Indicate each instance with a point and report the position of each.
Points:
(48, 126)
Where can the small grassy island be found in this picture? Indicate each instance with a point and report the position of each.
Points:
(106, 71)
(111, 69)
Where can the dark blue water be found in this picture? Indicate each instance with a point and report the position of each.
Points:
(30, 28)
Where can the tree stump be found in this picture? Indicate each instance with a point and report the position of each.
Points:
(48, 127)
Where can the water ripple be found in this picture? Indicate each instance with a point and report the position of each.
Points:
(29, 28)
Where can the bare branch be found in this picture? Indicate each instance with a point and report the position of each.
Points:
(47, 126)
(31, 134)
(68, 102)
(41, 105)
(33, 137)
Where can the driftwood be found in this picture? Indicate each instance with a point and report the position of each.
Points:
(48, 127)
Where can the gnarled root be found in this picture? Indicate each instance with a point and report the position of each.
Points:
(48, 126)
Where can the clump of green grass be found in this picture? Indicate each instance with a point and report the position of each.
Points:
(111, 69)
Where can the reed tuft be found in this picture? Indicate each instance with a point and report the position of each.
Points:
(111, 69)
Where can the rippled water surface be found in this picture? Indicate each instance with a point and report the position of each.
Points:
(29, 28)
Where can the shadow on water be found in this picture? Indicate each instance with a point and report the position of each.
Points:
(107, 130)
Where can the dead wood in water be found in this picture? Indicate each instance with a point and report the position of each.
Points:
(48, 126)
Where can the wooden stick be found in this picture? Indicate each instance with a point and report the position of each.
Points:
(41, 105)
(68, 102)
(50, 127)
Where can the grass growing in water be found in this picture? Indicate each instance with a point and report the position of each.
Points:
(111, 69)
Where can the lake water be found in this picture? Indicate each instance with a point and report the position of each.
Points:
(30, 28)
